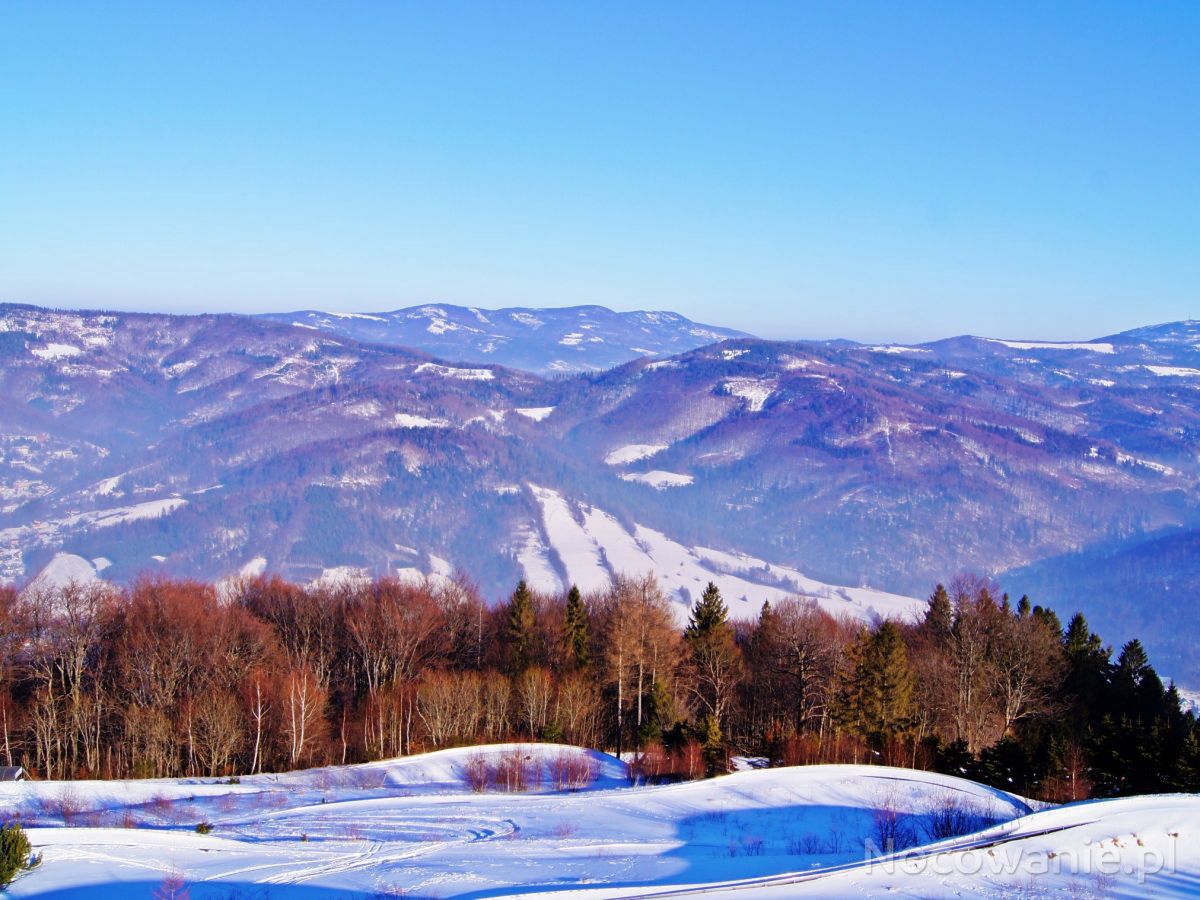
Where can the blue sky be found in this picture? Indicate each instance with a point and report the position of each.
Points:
(873, 171)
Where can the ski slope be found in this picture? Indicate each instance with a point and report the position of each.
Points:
(412, 827)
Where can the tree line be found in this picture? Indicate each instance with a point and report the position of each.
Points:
(181, 678)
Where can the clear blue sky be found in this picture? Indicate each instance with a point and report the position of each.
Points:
(881, 170)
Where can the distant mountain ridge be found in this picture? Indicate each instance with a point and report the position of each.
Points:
(205, 445)
(546, 341)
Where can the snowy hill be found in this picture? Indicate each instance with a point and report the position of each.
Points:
(547, 341)
(415, 826)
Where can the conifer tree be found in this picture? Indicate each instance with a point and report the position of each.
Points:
(576, 628)
(939, 617)
(716, 660)
(521, 631)
(878, 703)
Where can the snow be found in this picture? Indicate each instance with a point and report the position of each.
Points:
(56, 351)
(351, 315)
(733, 354)
(537, 413)
(1126, 459)
(1095, 347)
(408, 420)
(593, 546)
(576, 550)
(1174, 371)
(632, 453)
(754, 392)
(340, 576)
(534, 558)
(67, 568)
(572, 340)
(412, 827)
(897, 348)
(104, 518)
(254, 567)
(364, 409)
(453, 372)
(526, 319)
(107, 486)
(658, 479)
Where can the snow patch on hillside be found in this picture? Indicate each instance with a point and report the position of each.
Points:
(254, 567)
(658, 479)
(754, 392)
(576, 550)
(408, 420)
(537, 413)
(534, 558)
(65, 569)
(1095, 347)
(454, 372)
(1174, 371)
(632, 453)
(56, 351)
(593, 546)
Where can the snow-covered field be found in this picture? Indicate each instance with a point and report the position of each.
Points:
(413, 828)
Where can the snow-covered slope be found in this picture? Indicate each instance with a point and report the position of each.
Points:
(413, 827)
(590, 547)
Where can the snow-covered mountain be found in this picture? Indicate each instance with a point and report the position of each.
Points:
(546, 341)
(210, 445)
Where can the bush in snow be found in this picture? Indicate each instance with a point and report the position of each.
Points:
(570, 771)
(892, 828)
(14, 853)
(476, 772)
(515, 771)
(952, 815)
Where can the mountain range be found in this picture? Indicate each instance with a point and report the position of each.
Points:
(545, 341)
(858, 474)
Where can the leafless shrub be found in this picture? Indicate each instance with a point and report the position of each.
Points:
(371, 779)
(953, 815)
(808, 845)
(173, 887)
(564, 830)
(571, 771)
(892, 828)
(514, 771)
(67, 805)
(476, 772)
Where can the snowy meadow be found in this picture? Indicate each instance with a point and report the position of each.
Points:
(519, 819)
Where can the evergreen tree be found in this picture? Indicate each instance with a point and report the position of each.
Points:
(939, 617)
(708, 615)
(576, 632)
(1087, 673)
(716, 660)
(879, 701)
(521, 631)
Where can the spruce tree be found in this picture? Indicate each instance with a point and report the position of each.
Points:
(576, 628)
(939, 617)
(716, 660)
(521, 631)
(709, 613)
(878, 702)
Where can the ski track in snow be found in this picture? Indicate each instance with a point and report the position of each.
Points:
(412, 824)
